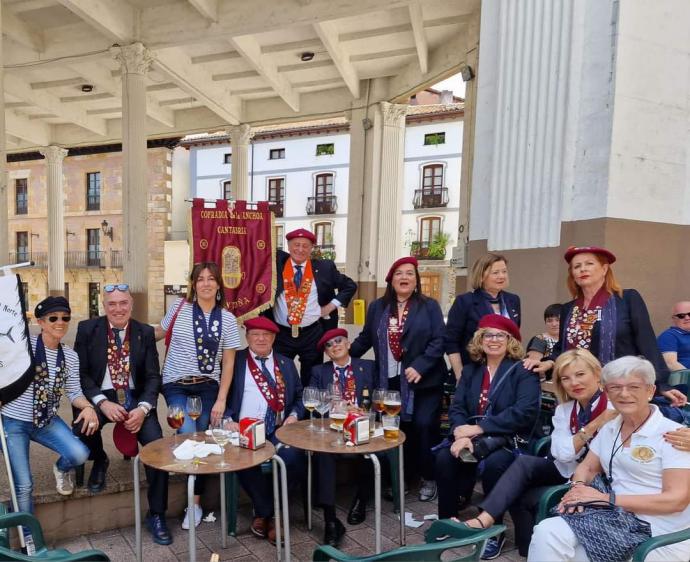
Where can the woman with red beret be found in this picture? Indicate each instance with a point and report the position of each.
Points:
(405, 328)
(605, 319)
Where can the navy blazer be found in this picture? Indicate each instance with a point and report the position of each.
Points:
(422, 341)
(514, 402)
(363, 369)
(330, 284)
(91, 345)
(634, 334)
(293, 386)
(464, 316)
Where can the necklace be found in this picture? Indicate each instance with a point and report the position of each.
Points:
(402, 303)
(614, 449)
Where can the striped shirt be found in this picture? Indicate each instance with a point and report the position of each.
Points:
(181, 360)
(22, 407)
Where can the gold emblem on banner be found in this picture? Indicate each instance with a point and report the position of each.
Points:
(231, 267)
(203, 243)
(260, 288)
(261, 245)
(642, 453)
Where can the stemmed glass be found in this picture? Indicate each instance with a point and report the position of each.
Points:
(310, 398)
(324, 397)
(392, 403)
(377, 399)
(338, 414)
(194, 409)
(334, 390)
(175, 419)
(220, 430)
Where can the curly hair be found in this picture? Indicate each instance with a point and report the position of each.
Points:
(565, 360)
(513, 347)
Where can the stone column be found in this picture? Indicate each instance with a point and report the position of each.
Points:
(391, 187)
(240, 135)
(4, 203)
(135, 61)
(56, 219)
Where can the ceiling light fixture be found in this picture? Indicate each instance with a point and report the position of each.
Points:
(306, 56)
(86, 88)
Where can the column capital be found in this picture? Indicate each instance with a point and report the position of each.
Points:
(53, 154)
(240, 134)
(393, 113)
(133, 58)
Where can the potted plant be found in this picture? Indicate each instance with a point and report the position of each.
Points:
(437, 248)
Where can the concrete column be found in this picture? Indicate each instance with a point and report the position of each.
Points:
(240, 135)
(391, 187)
(4, 203)
(55, 155)
(135, 61)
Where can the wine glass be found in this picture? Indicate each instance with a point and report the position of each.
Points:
(175, 418)
(220, 430)
(194, 408)
(337, 415)
(324, 397)
(310, 399)
(334, 390)
(392, 403)
(377, 398)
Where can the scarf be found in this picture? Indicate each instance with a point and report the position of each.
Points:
(580, 419)
(498, 299)
(46, 399)
(271, 388)
(581, 322)
(207, 336)
(344, 377)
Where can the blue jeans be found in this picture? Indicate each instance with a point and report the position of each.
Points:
(56, 436)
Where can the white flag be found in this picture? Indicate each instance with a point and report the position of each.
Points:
(15, 348)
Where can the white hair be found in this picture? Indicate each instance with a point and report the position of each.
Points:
(627, 366)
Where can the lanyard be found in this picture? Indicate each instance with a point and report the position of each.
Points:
(614, 449)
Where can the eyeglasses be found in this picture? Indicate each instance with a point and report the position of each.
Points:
(335, 341)
(619, 388)
(681, 315)
(53, 319)
(497, 336)
(117, 287)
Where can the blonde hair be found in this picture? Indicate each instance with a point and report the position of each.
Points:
(513, 347)
(610, 283)
(481, 265)
(566, 360)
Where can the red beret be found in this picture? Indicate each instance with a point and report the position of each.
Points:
(574, 250)
(500, 323)
(329, 335)
(261, 323)
(398, 263)
(125, 441)
(301, 233)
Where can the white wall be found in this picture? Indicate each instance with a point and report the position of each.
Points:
(181, 190)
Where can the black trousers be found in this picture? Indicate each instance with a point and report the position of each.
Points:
(304, 346)
(150, 431)
(325, 472)
(519, 491)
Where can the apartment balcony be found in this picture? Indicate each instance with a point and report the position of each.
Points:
(324, 251)
(77, 260)
(116, 259)
(276, 207)
(422, 252)
(40, 259)
(430, 198)
(322, 205)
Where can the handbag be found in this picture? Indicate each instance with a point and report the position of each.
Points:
(607, 532)
(484, 445)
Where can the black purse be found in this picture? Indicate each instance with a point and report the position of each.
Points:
(484, 445)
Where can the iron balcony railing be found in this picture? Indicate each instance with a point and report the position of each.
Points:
(322, 205)
(276, 207)
(429, 198)
(77, 259)
(40, 259)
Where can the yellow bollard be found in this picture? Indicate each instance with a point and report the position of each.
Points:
(359, 311)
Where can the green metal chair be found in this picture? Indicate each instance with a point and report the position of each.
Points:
(553, 495)
(9, 520)
(456, 535)
(679, 377)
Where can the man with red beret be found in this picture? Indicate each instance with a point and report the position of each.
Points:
(308, 294)
(352, 376)
(265, 385)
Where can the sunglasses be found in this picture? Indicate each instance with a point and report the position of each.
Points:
(335, 341)
(681, 315)
(117, 287)
(53, 319)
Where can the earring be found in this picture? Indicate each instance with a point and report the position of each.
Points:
(218, 296)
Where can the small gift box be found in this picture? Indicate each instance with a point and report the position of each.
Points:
(252, 433)
(356, 428)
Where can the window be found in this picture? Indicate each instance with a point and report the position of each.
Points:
(323, 149)
(227, 190)
(432, 178)
(276, 195)
(324, 234)
(434, 138)
(429, 227)
(21, 197)
(22, 246)
(93, 246)
(279, 230)
(93, 191)
(324, 186)
(227, 158)
(276, 154)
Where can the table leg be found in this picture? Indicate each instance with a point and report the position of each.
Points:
(137, 509)
(401, 491)
(223, 513)
(286, 509)
(377, 499)
(192, 518)
(309, 476)
(276, 508)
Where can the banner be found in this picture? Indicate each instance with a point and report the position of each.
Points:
(15, 348)
(241, 241)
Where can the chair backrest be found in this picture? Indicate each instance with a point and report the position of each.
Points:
(679, 377)
(549, 500)
(4, 532)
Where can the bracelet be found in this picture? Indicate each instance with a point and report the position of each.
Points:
(89, 406)
(584, 436)
(576, 482)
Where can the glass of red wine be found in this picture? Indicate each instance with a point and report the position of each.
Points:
(175, 419)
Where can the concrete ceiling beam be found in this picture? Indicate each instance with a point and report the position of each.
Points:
(417, 21)
(113, 18)
(15, 29)
(35, 132)
(328, 33)
(207, 8)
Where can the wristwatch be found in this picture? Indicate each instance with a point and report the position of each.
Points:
(586, 438)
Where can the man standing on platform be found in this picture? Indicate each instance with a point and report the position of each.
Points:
(308, 294)
(120, 375)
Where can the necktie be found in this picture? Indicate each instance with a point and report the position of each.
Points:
(118, 340)
(342, 375)
(298, 276)
(270, 414)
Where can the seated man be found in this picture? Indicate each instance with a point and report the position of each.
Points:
(352, 376)
(120, 375)
(674, 343)
(266, 386)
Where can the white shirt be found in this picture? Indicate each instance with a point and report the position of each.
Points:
(634, 474)
(562, 448)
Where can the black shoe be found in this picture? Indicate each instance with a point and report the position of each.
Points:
(334, 533)
(79, 476)
(97, 477)
(358, 512)
(158, 528)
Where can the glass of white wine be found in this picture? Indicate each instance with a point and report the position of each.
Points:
(310, 398)
(220, 430)
(323, 407)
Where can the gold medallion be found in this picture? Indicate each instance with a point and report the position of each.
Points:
(295, 331)
(642, 453)
(121, 396)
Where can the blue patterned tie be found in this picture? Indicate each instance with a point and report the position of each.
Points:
(270, 414)
(298, 276)
(118, 339)
(342, 376)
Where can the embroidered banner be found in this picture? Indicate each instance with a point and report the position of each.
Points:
(15, 348)
(241, 241)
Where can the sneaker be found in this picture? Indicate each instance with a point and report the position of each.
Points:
(198, 514)
(428, 491)
(493, 547)
(63, 482)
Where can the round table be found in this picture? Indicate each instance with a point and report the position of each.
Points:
(299, 435)
(159, 455)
